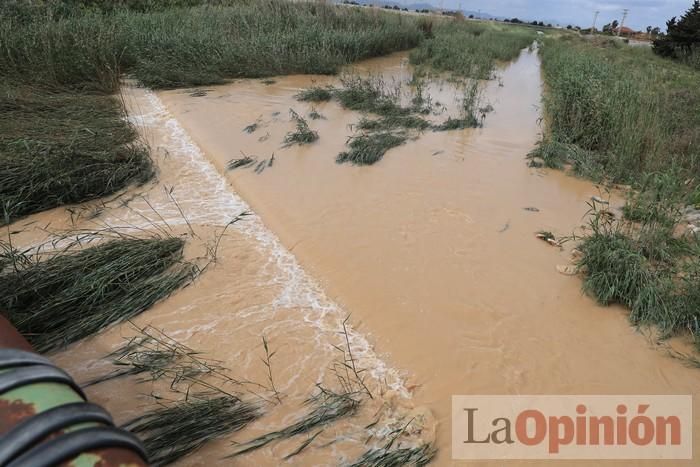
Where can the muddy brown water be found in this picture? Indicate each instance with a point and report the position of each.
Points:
(430, 250)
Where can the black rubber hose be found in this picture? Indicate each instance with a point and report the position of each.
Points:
(70, 445)
(10, 358)
(32, 431)
(25, 376)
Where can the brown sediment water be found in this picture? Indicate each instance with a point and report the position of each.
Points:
(255, 288)
(432, 249)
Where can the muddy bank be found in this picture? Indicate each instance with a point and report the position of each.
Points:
(431, 249)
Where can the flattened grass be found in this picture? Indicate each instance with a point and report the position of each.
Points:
(174, 431)
(76, 293)
(62, 147)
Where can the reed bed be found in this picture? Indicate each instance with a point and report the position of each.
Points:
(75, 293)
(471, 49)
(62, 147)
(179, 46)
(618, 112)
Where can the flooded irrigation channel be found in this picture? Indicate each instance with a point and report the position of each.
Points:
(431, 251)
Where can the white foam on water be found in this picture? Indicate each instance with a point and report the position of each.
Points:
(215, 203)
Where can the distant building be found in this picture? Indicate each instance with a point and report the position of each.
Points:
(625, 31)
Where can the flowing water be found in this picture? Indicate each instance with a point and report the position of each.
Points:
(431, 250)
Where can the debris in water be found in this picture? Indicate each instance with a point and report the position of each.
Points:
(598, 199)
(260, 167)
(531, 209)
(199, 92)
(547, 237)
(253, 126)
(505, 227)
(268, 81)
(264, 137)
(244, 161)
(436, 153)
(566, 269)
(271, 161)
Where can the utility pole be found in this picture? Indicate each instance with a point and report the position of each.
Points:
(622, 23)
(595, 19)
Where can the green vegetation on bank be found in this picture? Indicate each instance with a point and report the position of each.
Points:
(618, 112)
(471, 49)
(621, 114)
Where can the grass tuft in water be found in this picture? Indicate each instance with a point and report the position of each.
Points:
(370, 148)
(315, 94)
(302, 134)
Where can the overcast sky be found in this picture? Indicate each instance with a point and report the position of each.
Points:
(642, 13)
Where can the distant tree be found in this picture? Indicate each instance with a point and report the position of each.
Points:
(471, 16)
(549, 25)
(656, 31)
(569, 26)
(649, 30)
(516, 21)
(682, 36)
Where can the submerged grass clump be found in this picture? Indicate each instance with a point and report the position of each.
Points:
(62, 147)
(370, 94)
(370, 148)
(328, 407)
(76, 293)
(392, 122)
(302, 134)
(315, 94)
(173, 431)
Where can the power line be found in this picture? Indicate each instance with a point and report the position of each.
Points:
(595, 19)
(622, 23)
